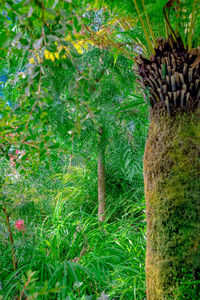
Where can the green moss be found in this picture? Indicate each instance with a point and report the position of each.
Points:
(172, 179)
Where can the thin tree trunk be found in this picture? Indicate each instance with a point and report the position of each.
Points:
(11, 239)
(101, 180)
(172, 192)
(70, 161)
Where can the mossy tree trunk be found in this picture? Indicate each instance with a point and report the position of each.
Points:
(101, 178)
(172, 192)
(171, 82)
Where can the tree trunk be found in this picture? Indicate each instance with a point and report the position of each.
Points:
(101, 180)
(172, 192)
(11, 239)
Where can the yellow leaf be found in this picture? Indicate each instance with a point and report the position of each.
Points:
(31, 61)
(51, 56)
(56, 54)
(46, 54)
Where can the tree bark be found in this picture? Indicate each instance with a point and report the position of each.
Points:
(11, 239)
(172, 192)
(101, 180)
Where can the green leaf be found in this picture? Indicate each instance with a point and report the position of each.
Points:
(6, 39)
(76, 23)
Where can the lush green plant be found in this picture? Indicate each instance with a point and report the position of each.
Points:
(70, 68)
(66, 253)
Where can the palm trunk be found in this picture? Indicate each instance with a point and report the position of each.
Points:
(101, 180)
(172, 192)
(171, 79)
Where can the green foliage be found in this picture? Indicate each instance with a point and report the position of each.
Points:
(63, 237)
(55, 101)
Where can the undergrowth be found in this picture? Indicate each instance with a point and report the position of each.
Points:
(65, 253)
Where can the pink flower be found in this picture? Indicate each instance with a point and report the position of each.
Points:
(19, 225)
(12, 160)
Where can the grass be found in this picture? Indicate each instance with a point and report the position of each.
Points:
(68, 255)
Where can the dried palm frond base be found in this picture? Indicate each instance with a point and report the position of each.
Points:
(171, 77)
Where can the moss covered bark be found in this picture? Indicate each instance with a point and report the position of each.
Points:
(172, 191)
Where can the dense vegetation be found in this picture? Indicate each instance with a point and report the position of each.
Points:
(78, 80)
(63, 250)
